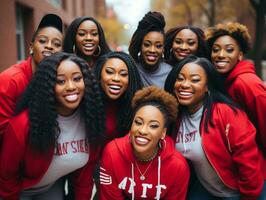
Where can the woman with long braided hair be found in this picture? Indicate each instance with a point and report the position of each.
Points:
(58, 125)
(147, 49)
(119, 80)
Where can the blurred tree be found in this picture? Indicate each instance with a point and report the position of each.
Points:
(113, 29)
(260, 9)
(205, 13)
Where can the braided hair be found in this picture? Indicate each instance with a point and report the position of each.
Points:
(170, 37)
(70, 37)
(39, 99)
(152, 21)
(134, 83)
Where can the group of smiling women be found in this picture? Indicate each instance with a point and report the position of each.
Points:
(179, 117)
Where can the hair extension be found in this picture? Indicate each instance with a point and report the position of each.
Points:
(40, 100)
(125, 112)
(152, 21)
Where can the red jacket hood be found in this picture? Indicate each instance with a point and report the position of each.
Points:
(126, 149)
(242, 67)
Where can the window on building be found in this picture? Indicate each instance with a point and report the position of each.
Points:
(56, 3)
(20, 33)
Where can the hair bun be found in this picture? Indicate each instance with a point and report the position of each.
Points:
(152, 20)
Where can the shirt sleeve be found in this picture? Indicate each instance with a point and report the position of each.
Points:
(11, 157)
(252, 96)
(108, 185)
(241, 136)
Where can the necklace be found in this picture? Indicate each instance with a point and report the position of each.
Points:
(142, 175)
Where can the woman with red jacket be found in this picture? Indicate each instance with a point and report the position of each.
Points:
(214, 135)
(228, 43)
(46, 40)
(144, 163)
(55, 132)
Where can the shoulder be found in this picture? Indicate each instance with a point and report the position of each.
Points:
(223, 113)
(113, 147)
(16, 74)
(174, 158)
(166, 66)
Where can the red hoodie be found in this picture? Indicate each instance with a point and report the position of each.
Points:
(167, 176)
(13, 82)
(245, 88)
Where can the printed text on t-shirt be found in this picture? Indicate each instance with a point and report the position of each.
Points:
(185, 138)
(74, 146)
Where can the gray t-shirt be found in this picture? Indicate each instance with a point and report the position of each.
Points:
(189, 143)
(156, 77)
(71, 151)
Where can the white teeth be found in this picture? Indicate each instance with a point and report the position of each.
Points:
(88, 45)
(72, 97)
(115, 87)
(221, 63)
(185, 93)
(47, 53)
(142, 140)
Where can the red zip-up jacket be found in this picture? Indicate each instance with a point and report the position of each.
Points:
(21, 167)
(166, 178)
(245, 88)
(13, 81)
(231, 149)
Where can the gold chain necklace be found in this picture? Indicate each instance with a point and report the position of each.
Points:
(142, 175)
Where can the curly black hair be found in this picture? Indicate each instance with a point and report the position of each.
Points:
(169, 39)
(152, 21)
(39, 99)
(134, 83)
(70, 37)
(217, 92)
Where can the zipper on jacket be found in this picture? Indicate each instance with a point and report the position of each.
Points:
(217, 171)
(227, 138)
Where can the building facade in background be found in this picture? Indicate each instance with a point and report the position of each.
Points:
(20, 18)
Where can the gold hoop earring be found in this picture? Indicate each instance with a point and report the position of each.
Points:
(162, 143)
(31, 52)
(74, 49)
(99, 51)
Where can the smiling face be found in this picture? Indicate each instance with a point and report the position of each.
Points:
(147, 129)
(87, 38)
(191, 86)
(185, 43)
(69, 88)
(152, 48)
(225, 54)
(114, 78)
(47, 42)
